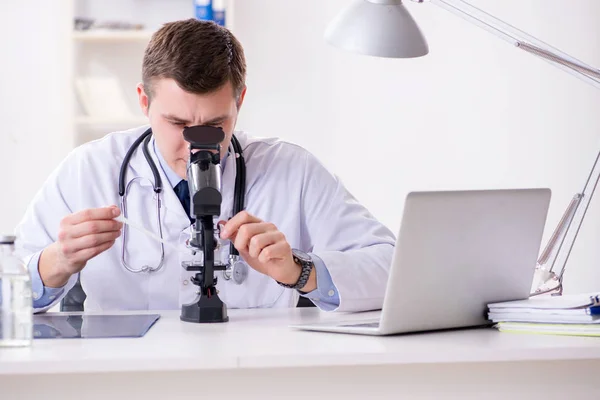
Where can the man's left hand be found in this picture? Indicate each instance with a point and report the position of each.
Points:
(264, 248)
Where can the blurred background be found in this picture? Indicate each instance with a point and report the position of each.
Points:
(474, 114)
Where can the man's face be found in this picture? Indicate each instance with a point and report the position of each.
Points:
(171, 109)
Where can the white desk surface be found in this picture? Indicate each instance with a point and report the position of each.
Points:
(262, 339)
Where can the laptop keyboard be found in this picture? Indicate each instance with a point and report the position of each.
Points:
(363, 325)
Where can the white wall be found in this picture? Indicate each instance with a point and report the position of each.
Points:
(475, 113)
(35, 99)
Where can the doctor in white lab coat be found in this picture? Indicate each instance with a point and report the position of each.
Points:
(194, 74)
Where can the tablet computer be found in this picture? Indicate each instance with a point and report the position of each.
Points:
(55, 326)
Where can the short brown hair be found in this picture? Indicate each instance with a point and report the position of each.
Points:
(200, 56)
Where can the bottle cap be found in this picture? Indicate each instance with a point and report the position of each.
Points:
(7, 239)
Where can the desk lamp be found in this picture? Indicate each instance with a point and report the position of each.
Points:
(384, 28)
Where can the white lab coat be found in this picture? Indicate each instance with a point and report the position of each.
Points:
(286, 185)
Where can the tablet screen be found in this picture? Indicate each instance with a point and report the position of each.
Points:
(55, 326)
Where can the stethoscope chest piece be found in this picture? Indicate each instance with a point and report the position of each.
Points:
(238, 272)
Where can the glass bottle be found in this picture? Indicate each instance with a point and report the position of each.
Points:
(16, 304)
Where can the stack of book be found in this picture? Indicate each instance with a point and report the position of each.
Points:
(574, 314)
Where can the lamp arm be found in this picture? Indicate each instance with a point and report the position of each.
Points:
(569, 226)
(520, 39)
(557, 251)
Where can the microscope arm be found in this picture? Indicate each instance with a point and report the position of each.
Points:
(204, 181)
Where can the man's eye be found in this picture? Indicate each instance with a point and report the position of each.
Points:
(178, 123)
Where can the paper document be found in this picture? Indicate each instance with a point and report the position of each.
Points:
(552, 302)
(550, 329)
(544, 318)
(575, 314)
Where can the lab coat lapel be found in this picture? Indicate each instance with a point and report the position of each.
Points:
(174, 212)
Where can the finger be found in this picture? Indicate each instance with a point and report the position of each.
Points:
(88, 242)
(93, 227)
(277, 251)
(262, 240)
(92, 214)
(89, 253)
(241, 239)
(232, 226)
(221, 224)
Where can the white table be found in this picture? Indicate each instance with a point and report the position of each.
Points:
(257, 356)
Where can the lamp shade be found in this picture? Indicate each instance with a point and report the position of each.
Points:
(381, 28)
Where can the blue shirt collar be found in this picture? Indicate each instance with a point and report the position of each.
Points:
(172, 177)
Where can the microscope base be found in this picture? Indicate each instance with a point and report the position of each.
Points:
(205, 310)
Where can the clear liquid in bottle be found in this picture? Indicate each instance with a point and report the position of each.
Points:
(16, 307)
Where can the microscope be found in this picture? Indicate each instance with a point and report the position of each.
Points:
(204, 181)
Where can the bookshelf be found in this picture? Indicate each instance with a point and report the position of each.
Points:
(112, 36)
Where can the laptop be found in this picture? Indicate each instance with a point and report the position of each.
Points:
(456, 252)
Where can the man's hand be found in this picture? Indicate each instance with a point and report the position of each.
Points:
(264, 248)
(81, 237)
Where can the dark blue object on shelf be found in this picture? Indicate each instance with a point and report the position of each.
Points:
(203, 9)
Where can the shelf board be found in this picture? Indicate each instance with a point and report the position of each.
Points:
(125, 121)
(112, 35)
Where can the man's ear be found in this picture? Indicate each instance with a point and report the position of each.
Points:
(143, 98)
(241, 97)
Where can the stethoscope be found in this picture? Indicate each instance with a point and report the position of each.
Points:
(238, 200)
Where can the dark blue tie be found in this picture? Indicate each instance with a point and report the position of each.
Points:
(183, 193)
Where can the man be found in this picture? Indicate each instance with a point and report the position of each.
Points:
(194, 74)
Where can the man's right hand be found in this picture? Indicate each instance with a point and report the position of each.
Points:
(81, 237)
